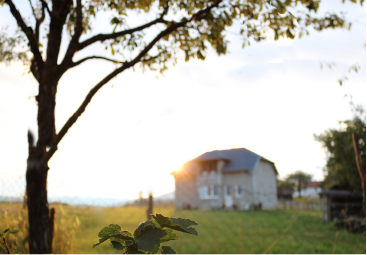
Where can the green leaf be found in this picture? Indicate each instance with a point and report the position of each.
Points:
(111, 229)
(178, 224)
(117, 245)
(168, 250)
(143, 226)
(149, 237)
(5, 232)
(123, 235)
(13, 231)
(156, 223)
(170, 236)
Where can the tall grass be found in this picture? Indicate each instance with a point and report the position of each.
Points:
(12, 215)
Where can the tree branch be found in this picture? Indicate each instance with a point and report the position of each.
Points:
(40, 21)
(70, 122)
(74, 42)
(96, 57)
(46, 5)
(102, 37)
(28, 32)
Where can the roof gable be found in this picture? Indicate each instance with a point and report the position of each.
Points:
(237, 159)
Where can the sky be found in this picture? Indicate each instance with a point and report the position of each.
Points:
(270, 97)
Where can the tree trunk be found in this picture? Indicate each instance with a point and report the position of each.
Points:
(37, 170)
(38, 213)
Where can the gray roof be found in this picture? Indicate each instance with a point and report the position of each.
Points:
(237, 159)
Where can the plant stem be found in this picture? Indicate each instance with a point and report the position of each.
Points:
(6, 246)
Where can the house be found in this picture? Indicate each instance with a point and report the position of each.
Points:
(224, 179)
(285, 194)
(310, 190)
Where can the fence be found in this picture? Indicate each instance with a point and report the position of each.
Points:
(221, 230)
(304, 206)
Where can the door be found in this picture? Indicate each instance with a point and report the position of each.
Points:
(228, 198)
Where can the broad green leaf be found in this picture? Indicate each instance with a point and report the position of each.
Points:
(148, 238)
(156, 223)
(123, 236)
(13, 231)
(178, 224)
(168, 250)
(111, 229)
(170, 236)
(143, 226)
(117, 245)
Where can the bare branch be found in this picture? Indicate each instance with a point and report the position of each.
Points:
(96, 57)
(40, 21)
(79, 19)
(74, 42)
(34, 13)
(28, 31)
(70, 122)
(46, 5)
(102, 37)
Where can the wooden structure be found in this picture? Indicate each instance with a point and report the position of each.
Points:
(341, 203)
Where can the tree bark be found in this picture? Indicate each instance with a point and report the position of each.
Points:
(37, 168)
(38, 213)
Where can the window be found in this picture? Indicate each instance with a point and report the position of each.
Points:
(239, 190)
(209, 167)
(228, 190)
(209, 192)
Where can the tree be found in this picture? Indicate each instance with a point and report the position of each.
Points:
(185, 27)
(284, 184)
(341, 167)
(140, 195)
(299, 179)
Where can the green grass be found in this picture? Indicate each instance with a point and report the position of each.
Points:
(221, 231)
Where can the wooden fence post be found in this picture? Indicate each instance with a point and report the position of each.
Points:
(150, 207)
(361, 168)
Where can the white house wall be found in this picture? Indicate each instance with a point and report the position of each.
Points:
(186, 192)
(309, 192)
(239, 178)
(265, 181)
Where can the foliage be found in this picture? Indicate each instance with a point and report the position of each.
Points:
(3, 239)
(285, 184)
(187, 27)
(148, 236)
(341, 167)
(298, 179)
(12, 215)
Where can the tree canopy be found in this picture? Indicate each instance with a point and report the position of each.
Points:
(298, 179)
(341, 168)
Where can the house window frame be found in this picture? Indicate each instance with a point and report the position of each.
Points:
(228, 191)
(208, 192)
(239, 191)
(209, 168)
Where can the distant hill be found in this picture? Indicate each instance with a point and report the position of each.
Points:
(165, 197)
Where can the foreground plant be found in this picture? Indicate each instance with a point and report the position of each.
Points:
(3, 240)
(148, 236)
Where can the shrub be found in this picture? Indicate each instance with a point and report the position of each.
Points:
(148, 236)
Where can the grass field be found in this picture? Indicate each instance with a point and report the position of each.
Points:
(221, 231)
